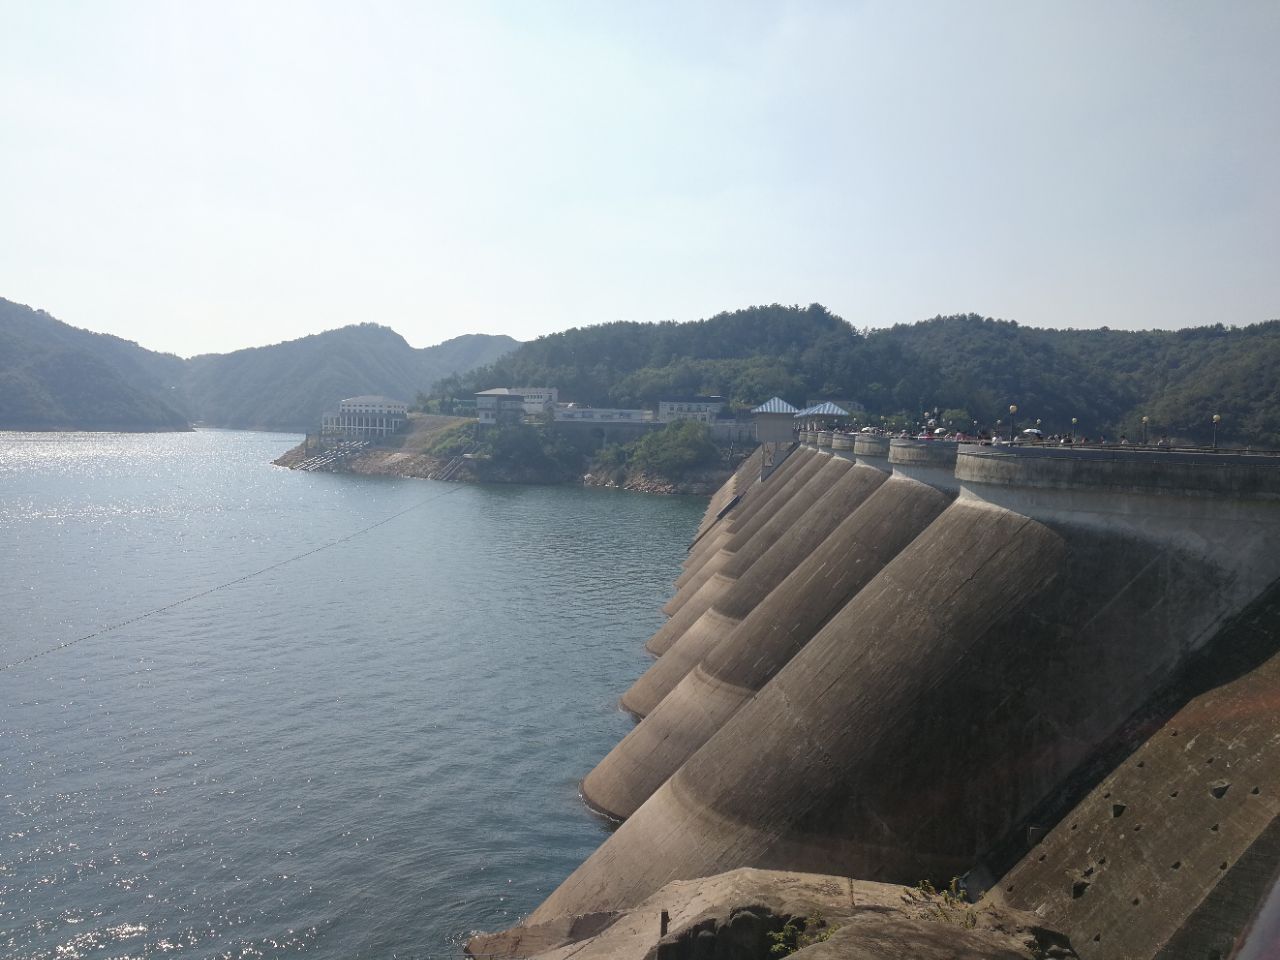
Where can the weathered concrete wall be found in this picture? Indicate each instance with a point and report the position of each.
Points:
(752, 492)
(722, 572)
(731, 669)
(748, 577)
(872, 451)
(961, 686)
(732, 594)
(729, 495)
(747, 471)
(756, 497)
(1172, 852)
(780, 486)
(929, 461)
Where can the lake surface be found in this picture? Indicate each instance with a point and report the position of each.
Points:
(369, 751)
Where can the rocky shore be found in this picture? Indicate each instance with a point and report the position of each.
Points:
(750, 914)
(410, 456)
(702, 483)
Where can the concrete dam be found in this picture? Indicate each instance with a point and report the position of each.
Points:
(1052, 670)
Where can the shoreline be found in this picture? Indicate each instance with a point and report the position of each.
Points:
(411, 457)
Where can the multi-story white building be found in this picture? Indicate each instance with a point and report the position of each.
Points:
(365, 418)
(702, 409)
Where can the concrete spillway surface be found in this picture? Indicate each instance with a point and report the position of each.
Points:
(753, 491)
(730, 490)
(967, 680)
(738, 664)
(788, 534)
(732, 593)
(795, 471)
(746, 579)
(728, 596)
(762, 531)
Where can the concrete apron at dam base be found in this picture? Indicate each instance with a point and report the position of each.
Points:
(712, 680)
(968, 680)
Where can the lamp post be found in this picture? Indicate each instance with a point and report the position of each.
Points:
(1074, 421)
(1217, 419)
(1013, 412)
(1144, 430)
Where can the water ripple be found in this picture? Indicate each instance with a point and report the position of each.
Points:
(368, 753)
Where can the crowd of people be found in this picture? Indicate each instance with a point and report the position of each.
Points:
(932, 431)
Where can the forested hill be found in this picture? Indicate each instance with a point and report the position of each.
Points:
(54, 376)
(968, 367)
(286, 386)
(57, 377)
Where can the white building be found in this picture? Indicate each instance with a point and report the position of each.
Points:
(701, 409)
(537, 400)
(365, 418)
(603, 414)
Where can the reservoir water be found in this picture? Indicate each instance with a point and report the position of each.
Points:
(368, 751)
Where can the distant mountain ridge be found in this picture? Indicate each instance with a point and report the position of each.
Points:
(303, 378)
(57, 377)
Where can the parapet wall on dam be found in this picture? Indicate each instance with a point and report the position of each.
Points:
(929, 671)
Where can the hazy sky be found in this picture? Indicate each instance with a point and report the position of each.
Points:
(202, 176)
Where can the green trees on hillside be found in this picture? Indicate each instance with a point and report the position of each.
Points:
(966, 366)
(734, 355)
(675, 449)
(54, 376)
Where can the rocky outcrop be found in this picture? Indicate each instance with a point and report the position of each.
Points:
(762, 915)
(699, 483)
